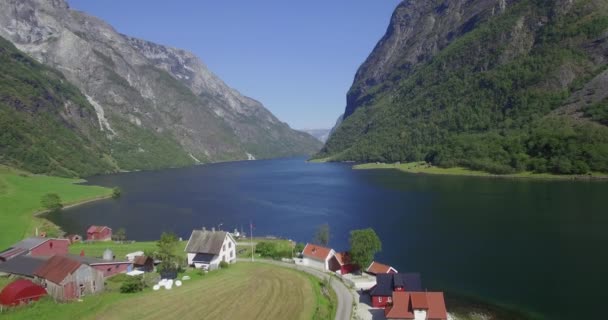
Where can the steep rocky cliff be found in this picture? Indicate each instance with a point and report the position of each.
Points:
(496, 85)
(148, 99)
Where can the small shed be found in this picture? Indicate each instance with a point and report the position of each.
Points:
(21, 291)
(144, 263)
(99, 233)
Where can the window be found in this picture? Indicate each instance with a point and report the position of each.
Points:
(229, 244)
(379, 299)
(51, 244)
(231, 254)
(224, 247)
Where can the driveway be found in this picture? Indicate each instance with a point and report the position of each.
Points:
(344, 295)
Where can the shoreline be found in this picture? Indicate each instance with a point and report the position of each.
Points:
(425, 169)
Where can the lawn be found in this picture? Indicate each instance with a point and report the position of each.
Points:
(96, 249)
(243, 291)
(243, 246)
(421, 167)
(20, 195)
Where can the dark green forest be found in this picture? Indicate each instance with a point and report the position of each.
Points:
(471, 107)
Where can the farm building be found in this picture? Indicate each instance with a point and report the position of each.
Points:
(66, 279)
(37, 247)
(21, 291)
(341, 263)
(317, 256)
(23, 266)
(417, 306)
(378, 268)
(74, 238)
(99, 233)
(206, 249)
(131, 256)
(108, 267)
(387, 283)
(143, 263)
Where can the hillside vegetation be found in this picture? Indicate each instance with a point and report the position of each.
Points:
(517, 91)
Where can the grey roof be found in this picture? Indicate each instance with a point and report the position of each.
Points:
(206, 241)
(386, 283)
(30, 243)
(22, 265)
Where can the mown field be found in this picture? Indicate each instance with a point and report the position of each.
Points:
(421, 167)
(243, 291)
(20, 195)
(96, 249)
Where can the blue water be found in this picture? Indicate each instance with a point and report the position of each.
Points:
(538, 245)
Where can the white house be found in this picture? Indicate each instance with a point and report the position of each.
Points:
(317, 256)
(206, 249)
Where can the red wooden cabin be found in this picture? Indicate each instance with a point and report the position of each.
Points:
(99, 233)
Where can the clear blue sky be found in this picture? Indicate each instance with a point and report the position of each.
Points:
(298, 58)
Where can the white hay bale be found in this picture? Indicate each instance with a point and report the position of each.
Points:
(178, 283)
(186, 278)
(156, 287)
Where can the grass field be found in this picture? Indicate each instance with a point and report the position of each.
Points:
(243, 291)
(20, 195)
(421, 167)
(96, 249)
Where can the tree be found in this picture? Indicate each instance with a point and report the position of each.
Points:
(116, 192)
(167, 248)
(322, 235)
(121, 234)
(51, 201)
(364, 244)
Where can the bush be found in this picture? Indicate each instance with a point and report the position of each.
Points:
(116, 192)
(224, 265)
(132, 285)
(51, 201)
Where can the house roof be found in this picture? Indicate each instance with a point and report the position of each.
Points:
(343, 258)
(22, 265)
(204, 241)
(15, 291)
(404, 303)
(316, 252)
(386, 283)
(95, 229)
(142, 260)
(57, 268)
(377, 268)
(11, 253)
(30, 243)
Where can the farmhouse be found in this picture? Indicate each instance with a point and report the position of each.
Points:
(36, 247)
(317, 256)
(67, 279)
(20, 292)
(417, 306)
(206, 249)
(378, 268)
(341, 262)
(387, 283)
(99, 233)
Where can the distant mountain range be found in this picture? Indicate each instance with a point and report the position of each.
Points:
(495, 85)
(89, 100)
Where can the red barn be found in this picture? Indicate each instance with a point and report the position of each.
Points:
(99, 233)
(388, 283)
(341, 262)
(21, 291)
(36, 247)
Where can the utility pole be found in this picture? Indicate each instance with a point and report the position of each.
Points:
(251, 238)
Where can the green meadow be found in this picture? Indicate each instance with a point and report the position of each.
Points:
(20, 195)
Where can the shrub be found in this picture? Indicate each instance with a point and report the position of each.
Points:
(132, 285)
(51, 201)
(224, 265)
(116, 192)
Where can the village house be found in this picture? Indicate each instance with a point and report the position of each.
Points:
(99, 233)
(206, 249)
(36, 247)
(378, 268)
(107, 266)
(417, 306)
(317, 256)
(66, 279)
(341, 263)
(387, 283)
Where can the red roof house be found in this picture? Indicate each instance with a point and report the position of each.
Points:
(67, 279)
(377, 268)
(417, 305)
(99, 233)
(317, 256)
(21, 291)
(341, 262)
(36, 247)
(388, 283)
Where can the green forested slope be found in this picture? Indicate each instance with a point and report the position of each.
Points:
(488, 102)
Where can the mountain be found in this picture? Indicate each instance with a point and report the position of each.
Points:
(153, 106)
(319, 134)
(495, 85)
